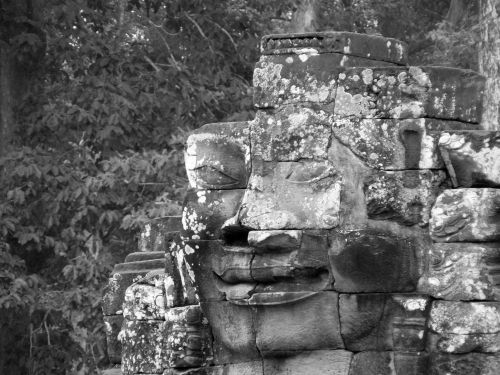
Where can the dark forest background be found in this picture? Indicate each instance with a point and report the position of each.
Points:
(96, 100)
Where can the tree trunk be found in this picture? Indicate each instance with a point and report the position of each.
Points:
(456, 12)
(6, 100)
(305, 17)
(489, 62)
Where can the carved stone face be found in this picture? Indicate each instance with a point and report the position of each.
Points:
(273, 239)
(307, 228)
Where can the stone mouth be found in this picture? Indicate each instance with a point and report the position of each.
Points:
(283, 290)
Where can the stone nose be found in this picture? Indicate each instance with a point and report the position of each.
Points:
(275, 240)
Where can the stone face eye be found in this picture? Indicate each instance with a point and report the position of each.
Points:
(208, 176)
(217, 157)
(312, 172)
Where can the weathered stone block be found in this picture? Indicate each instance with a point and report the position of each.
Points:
(389, 363)
(472, 157)
(145, 302)
(465, 326)
(403, 196)
(124, 275)
(465, 364)
(458, 343)
(462, 271)
(374, 261)
(113, 325)
(369, 46)
(393, 144)
(415, 92)
(218, 156)
(292, 195)
(307, 77)
(206, 211)
(308, 324)
(233, 331)
(143, 347)
(383, 321)
(316, 362)
(188, 337)
(471, 215)
(156, 235)
(244, 368)
(290, 134)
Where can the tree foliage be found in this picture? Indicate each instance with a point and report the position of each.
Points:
(96, 146)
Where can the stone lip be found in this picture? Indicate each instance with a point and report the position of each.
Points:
(375, 47)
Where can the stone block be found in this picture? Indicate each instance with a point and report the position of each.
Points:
(403, 196)
(459, 344)
(374, 261)
(461, 327)
(308, 324)
(465, 317)
(292, 195)
(316, 362)
(465, 364)
(233, 332)
(244, 368)
(124, 275)
(205, 212)
(383, 321)
(140, 256)
(188, 337)
(462, 271)
(304, 78)
(394, 144)
(291, 133)
(472, 157)
(113, 325)
(466, 215)
(145, 302)
(143, 347)
(156, 235)
(414, 92)
(218, 156)
(389, 363)
(373, 47)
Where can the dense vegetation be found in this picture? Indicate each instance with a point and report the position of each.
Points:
(103, 95)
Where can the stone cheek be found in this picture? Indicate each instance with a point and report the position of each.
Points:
(290, 133)
(374, 261)
(466, 215)
(292, 195)
(472, 157)
(403, 196)
(413, 92)
(462, 271)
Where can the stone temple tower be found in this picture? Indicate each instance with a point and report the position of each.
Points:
(351, 228)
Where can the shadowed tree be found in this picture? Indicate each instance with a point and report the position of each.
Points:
(489, 61)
